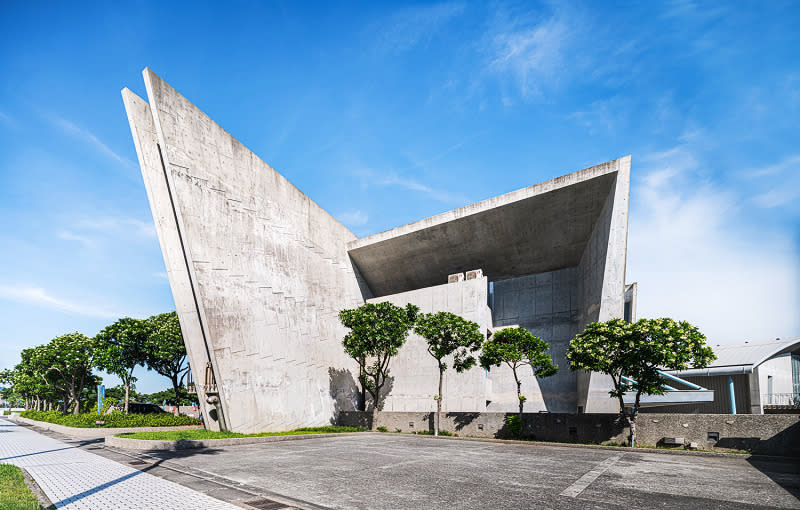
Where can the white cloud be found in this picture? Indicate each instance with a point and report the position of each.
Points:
(117, 225)
(355, 218)
(533, 52)
(414, 185)
(782, 183)
(91, 232)
(38, 296)
(71, 236)
(87, 137)
(410, 26)
(696, 259)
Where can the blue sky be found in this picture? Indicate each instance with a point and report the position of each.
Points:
(388, 113)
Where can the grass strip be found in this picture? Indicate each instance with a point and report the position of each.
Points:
(14, 493)
(199, 434)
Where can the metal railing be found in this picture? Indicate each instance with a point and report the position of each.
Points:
(780, 399)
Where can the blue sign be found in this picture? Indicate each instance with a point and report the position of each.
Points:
(101, 395)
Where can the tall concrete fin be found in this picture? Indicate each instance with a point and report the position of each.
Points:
(269, 269)
(147, 150)
(602, 281)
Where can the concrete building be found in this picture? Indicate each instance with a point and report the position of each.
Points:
(259, 273)
(747, 378)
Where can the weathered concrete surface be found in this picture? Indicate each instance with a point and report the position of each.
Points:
(400, 471)
(258, 270)
(601, 282)
(533, 230)
(259, 273)
(547, 305)
(767, 434)
(94, 432)
(414, 372)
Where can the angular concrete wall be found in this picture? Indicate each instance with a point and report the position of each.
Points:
(415, 372)
(258, 270)
(601, 282)
(547, 305)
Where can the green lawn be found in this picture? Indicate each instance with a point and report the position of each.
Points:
(179, 435)
(14, 494)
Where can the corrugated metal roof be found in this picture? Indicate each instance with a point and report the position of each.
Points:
(743, 357)
(751, 353)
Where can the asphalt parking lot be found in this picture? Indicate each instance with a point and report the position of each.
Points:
(393, 471)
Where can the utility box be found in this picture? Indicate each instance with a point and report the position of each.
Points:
(455, 278)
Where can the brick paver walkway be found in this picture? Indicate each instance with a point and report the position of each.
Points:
(75, 479)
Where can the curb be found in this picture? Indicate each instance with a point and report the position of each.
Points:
(94, 432)
(660, 451)
(186, 444)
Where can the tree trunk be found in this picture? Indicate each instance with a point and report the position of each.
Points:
(127, 394)
(439, 402)
(519, 394)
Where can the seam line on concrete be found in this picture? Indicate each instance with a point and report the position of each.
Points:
(574, 490)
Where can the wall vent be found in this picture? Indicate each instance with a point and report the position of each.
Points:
(474, 274)
(455, 278)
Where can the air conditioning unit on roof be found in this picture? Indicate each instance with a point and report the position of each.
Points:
(455, 278)
(474, 274)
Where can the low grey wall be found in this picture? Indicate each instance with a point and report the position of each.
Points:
(94, 432)
(767, 434)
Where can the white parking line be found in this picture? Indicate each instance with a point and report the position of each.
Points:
(581, 483)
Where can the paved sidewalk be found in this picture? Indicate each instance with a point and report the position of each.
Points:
(76, 479)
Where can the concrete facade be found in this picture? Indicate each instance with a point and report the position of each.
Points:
(259, 273)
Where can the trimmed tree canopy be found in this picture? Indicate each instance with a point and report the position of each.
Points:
(448, 334)
(377, 331)
(638, 351)
(517, 347)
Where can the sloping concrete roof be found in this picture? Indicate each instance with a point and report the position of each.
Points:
(540, 228)
(743, 357)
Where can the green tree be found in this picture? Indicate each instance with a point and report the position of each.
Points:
(120, 348)
(517, 347)
(69, 361)
(377, 331)
(638, 351)
(448, 334)
(165, 352)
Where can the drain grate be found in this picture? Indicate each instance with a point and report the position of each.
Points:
(265, 504)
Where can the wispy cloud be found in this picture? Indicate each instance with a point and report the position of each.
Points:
(695, 258)
(30, 294)
(779, 182)
(530, 48)
(415, 185)
(410, 26)
(92, 232)
(86, 241)
(354, 218)
(87, 137)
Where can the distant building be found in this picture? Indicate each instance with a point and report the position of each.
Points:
(747, 378)
(259, 273)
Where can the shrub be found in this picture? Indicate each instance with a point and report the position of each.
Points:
(441, 433)
(383, 429)
(87, 420)
(514, 425)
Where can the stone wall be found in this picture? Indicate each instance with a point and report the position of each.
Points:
(767, 434)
